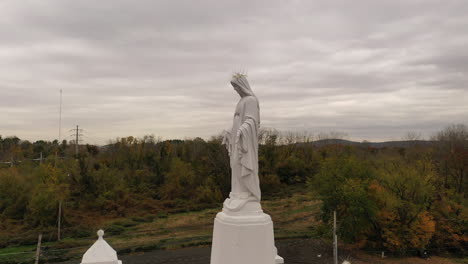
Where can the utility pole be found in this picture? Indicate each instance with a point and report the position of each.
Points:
(77, 138)
(60, 117)
(76, 142)
(55, 164)
(59, 219)
(335, 240)
(59, 128)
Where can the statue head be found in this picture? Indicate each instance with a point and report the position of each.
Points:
(241, 85)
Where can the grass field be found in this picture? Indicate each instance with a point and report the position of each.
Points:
(294, 216)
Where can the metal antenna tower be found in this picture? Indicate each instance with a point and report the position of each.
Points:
(77, 135)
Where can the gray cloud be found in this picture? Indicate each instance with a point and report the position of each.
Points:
(373, 69)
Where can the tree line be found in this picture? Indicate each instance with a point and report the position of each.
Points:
(393, 198)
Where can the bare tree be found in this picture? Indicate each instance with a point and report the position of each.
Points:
(332, 136)
(412, 136)
(453, 155)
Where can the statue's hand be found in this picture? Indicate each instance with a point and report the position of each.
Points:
(239, 152)
(227, 141)
(240, 144)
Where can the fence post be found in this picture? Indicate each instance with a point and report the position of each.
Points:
(59, 220)
(38, 249)
(335, 240)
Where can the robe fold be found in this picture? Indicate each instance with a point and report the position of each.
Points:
(249, 157)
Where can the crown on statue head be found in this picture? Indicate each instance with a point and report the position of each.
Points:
(239, 74)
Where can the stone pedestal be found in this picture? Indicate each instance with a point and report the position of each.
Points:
(243, 234)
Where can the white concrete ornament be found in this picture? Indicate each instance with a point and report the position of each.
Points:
(242, 233)
(100, 252)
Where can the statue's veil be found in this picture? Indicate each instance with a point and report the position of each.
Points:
(241, 81)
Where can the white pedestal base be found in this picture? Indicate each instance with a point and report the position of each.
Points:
(243, 237)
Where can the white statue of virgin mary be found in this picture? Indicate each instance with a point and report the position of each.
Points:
(242, 232)
(242, 144)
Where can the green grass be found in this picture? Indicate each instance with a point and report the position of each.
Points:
(461, 260)
(17, 249)
(295, 216)
(21, 254)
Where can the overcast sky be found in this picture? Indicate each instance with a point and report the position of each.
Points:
(372, 69)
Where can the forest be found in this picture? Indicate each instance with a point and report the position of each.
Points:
(396, 198)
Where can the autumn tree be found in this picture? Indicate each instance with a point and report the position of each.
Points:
(343, 185)
(404, 193)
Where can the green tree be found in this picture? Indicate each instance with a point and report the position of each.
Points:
(404, 193)
(292, 170)
(180, 181)
(15, 191)
(343, 185)
(43, 207)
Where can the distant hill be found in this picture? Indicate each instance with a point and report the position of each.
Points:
(344, 142)
(398, 144)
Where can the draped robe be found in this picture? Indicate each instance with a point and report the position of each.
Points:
(242, 144)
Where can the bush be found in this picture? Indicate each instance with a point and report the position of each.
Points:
(43, 207)
(162, 215)
(145, 219)
(292, 170)
(114, 229)
(79, 231)
(126, 223)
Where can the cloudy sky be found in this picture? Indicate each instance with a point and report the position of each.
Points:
(372, 69)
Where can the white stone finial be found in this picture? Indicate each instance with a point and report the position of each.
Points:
(100, 252)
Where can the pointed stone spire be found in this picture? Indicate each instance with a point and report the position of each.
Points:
(100, 252)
